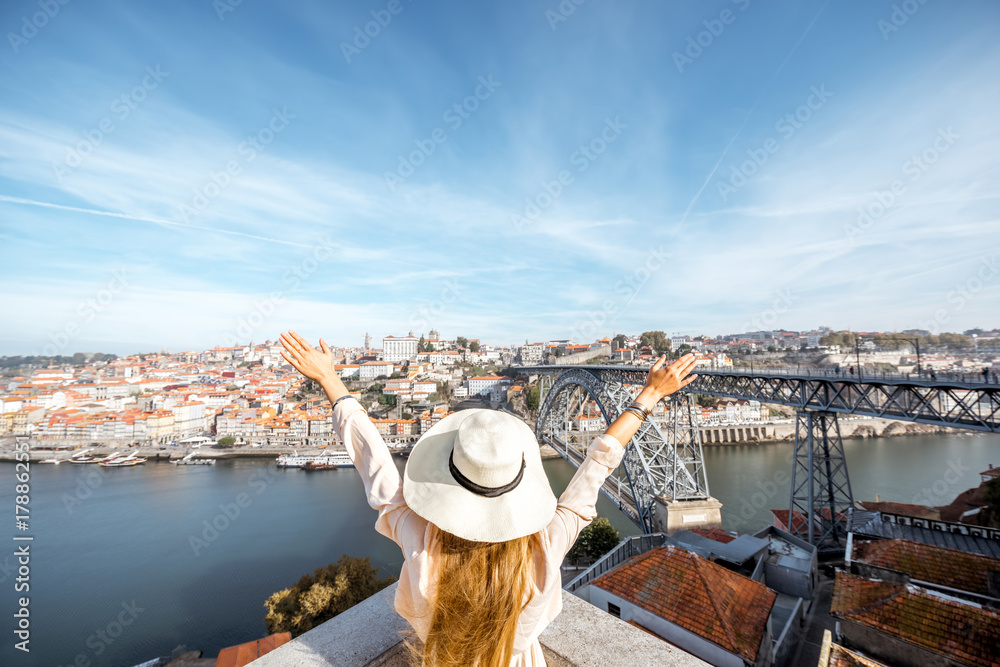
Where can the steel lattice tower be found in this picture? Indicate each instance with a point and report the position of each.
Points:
(821, 486)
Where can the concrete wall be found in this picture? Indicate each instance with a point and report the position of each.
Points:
(723, 435)
(582, 357)
(371, 633)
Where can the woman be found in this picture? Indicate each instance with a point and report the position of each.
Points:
(482, 534)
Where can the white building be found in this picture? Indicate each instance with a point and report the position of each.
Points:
(375, 369)
(532, 354)
(482, 385)
(399, 348)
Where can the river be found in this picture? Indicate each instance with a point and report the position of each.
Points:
(126, 564)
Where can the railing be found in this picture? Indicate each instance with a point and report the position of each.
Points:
(929, 378)
(632, 546)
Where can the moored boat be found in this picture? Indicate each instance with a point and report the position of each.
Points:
(122, 461)
(329, 460)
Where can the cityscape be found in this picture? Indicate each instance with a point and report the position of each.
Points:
(567, 333)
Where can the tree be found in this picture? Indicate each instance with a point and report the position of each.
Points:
(705, 401)
(532, 399)
(318, 597)
(621, 340)
(462, 341)
(227, 441)
(990, 515)
(595, 540)
(387, 399)
(682, 350)
(771, 348)
(421, 344)
(657, 340)
(474, 346)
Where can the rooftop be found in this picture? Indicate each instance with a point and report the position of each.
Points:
(964, 632)
(694, 593)
(931, 564)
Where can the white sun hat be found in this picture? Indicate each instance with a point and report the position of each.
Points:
(478, 474)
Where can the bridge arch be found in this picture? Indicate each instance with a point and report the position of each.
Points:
(655, 463)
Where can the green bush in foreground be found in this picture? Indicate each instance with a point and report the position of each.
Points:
(320, 596)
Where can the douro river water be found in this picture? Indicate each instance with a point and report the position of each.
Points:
(128, 563)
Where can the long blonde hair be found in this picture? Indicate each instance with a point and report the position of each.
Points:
(481, 589)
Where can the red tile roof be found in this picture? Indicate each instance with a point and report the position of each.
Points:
(902, 509)
(244, 654)
(716, 534)
(935, 565)
(964, 632)
(694, 593)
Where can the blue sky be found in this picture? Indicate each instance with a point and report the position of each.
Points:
(190, 174)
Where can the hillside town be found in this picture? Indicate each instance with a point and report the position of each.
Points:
(410, 383)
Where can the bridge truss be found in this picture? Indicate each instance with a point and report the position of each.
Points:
(666, 460)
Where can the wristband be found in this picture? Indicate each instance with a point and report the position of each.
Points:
(334, 406)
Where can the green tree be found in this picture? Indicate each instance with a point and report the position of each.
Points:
(421, 344)
(682, 350)
(990, 515)
(532, 399)
(621, 340)
(318, 597)
(657, 340)
(227, 441)
(387, 399)
(594, 541)
(462, 341)
(474, 346)
(771, 348)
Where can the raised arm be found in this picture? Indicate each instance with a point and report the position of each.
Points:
(364, 444)
(576, 507)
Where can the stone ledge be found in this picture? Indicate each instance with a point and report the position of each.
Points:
(371, 633)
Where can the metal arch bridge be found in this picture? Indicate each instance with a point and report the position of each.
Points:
(665, 457)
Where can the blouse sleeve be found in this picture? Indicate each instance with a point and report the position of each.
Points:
(383, 486)
(576, 506)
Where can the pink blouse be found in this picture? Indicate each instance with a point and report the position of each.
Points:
(574, 511)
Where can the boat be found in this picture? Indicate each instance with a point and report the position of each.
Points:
(330, 460)
(312, 465)
(92, 459)
(122, 461)
(189, 461)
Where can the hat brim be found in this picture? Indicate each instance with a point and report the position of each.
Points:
(431, 491)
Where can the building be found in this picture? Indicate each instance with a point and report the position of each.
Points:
(482, 385)
(399, 348)
(703, 608)
(532, 353)
(370, 370)
(911, 626)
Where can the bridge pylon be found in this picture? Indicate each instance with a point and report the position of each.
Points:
(821, 487)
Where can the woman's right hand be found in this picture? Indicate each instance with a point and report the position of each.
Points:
(665, 379)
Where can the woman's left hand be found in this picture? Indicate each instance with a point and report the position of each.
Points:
(314, 364)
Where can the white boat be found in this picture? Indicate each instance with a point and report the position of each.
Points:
(189, 461)
(92, 459)
(330, 459)
(122, 461)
